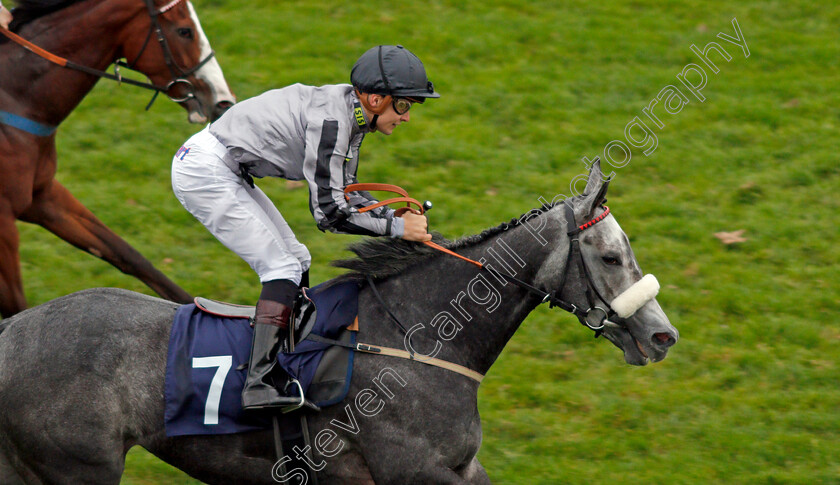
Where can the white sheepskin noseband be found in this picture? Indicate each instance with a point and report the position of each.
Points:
(636, 296)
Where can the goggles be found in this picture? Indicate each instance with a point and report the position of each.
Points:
(401, 105)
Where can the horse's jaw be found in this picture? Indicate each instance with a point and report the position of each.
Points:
(633, 352)
(645, 336)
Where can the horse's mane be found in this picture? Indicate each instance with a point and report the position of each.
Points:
(44, 4)
(383, 257)
(28, 10)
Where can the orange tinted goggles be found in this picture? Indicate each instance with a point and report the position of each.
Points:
(402, 105)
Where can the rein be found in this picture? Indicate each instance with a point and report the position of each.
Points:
(179, 76)
(421, 208)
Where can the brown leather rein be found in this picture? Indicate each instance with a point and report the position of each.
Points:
(421, 209)
(387, 188)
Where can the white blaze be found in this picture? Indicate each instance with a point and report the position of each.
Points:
(211, 73)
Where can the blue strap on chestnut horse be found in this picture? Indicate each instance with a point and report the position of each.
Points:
(25, 124)
(179, 75)
(596, 317)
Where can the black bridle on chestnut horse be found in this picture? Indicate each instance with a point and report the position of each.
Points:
(179, 75)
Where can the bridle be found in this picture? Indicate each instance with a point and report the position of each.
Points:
(590, 317)
(596, 317)
(179, 75)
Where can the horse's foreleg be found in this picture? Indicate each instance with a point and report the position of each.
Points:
(59, 212)
(12, 299)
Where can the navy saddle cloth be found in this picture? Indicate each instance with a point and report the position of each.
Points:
(205, 367)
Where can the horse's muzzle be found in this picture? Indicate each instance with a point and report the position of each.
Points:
(219, 109)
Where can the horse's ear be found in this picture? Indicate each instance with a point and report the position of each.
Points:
(595, 192)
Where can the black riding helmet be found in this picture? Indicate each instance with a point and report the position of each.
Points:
(392, 70)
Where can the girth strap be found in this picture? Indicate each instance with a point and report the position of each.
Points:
(288, 458)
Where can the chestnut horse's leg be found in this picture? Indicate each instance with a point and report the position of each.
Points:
(12, 299)
(59, 212)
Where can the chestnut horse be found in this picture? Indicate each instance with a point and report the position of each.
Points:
(51, 58)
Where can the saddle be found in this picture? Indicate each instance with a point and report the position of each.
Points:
(303, 315)
(319, 361)
(224, 309)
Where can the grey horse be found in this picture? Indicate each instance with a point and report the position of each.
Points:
(82, 376)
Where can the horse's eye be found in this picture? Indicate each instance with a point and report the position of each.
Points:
(611, 261)
(185, 33)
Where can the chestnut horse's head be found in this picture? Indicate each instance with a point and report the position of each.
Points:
(168, 45)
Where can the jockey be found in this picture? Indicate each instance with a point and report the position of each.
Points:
(298, 133)
(5, 17)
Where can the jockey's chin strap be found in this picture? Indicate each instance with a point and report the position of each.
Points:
(595, 317)
(178, 75)
(386, 102)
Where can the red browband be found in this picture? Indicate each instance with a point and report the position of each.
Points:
(596, 220)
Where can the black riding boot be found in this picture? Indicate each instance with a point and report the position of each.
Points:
(271, 327)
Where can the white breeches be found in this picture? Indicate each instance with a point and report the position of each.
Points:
(241, 217)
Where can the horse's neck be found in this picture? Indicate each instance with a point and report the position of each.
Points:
(86, 33)
(473, 314)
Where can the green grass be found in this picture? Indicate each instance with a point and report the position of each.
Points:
(748, 396)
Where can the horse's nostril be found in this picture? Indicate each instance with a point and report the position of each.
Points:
(220, 109)
(664, 339)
